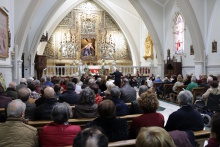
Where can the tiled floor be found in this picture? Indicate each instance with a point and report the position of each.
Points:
(170, 108)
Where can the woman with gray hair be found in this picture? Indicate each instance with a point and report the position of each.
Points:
(86, 107)
(193, 84)
(59, 132)
(185, 118)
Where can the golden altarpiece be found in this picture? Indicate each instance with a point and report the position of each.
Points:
(87, 34)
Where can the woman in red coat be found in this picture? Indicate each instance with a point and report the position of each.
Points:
(60, 132)
(148, 102)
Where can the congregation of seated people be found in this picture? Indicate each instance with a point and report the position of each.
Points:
(51, 98)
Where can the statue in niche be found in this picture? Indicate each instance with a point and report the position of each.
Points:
(68, 36)
(88, 48)
(148, 47)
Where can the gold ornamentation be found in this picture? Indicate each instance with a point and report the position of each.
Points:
(148, 48)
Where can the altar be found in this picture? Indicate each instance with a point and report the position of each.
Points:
(93, 69)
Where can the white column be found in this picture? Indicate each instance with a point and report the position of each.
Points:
(160, 70)
(199, 68)
(80, 67)
(113, 66)
(19, 70)
(32, 66)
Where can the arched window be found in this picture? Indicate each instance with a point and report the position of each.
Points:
(179, 35)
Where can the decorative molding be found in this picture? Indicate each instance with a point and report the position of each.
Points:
(6, 66)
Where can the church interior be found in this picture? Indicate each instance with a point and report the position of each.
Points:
(69, 38)
(127, 34)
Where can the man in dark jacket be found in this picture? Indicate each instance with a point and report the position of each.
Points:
(23, 83)
(128, 93)
(121, 107)
(11, 91)
(70, 95)
(43, 112)
(118, 75)
(24, 95)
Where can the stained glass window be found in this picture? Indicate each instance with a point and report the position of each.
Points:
(179, 35)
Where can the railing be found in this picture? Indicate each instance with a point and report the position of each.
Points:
(78, 70)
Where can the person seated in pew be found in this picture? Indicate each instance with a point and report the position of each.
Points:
(157, 80)
(214, 141)
(154, 137)
(205, 82)
(90, 137)
(187, 79)
(114, 128)
(121, 107)
(59, 132)
(11, 91)
(107, 93)
(86, 107)
(98, 98)
(134, 108)
(43, 112)
(15, 133)
(128, 93)
(70, 96)
(24, 95)
(193, 84)
(179, 82)
(161, 89)
(183, 138)
(149, 103)
(185, 118)
(213, 89)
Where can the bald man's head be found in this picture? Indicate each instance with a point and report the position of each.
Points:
(24, 94)
(12, 85)
(23, 80)
(49, 92)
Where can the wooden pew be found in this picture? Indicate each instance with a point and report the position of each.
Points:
(166, 87)
(178, 89)
(80, 121)
(155, 85)
(2, 110)
(197, 92)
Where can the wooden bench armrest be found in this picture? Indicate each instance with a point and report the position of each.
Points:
(130, 142)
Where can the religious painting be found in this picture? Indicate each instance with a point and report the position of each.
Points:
(191, 50)
(148, 48)
(4, 37)
(87, 47)
(214, 46)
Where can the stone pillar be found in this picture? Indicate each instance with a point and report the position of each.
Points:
(113, 66)
(160, 70)
(199, 68)
(19, 70)
(80, 67)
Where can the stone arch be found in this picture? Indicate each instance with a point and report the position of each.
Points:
(24, 27)
(145, 17)
(114, 15)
